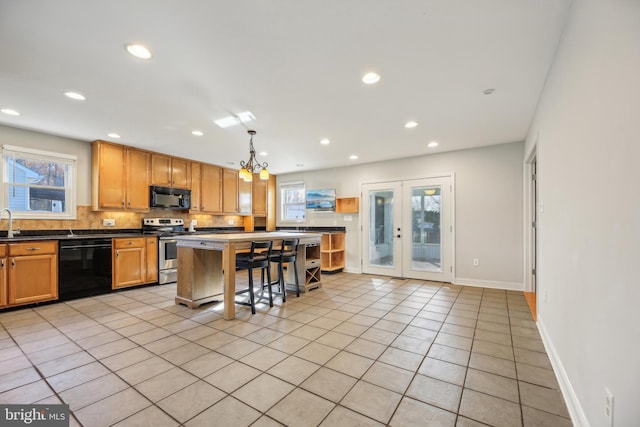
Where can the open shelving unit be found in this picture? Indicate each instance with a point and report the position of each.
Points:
(347, 205)
(332, 252)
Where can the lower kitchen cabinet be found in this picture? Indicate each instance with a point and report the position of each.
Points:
(129, 262)
(3, 275)
(151, 255)
(135, 261)
(32, 272)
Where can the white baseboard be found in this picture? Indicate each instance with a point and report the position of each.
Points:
(510, 286)
(576, 413)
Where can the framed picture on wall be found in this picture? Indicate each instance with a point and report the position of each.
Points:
(321, 200)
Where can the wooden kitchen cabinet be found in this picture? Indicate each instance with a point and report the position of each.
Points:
(151, 256)
(129, 262)
(347, 205)
(137, 188)
(167, 171)
(195, 187)
(230, 191)
(210, 188)
(32, 272)
(3, 276)
(119, 177)
(259, 195)
(244, 196)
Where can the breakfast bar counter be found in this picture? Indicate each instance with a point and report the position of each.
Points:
(207, 265)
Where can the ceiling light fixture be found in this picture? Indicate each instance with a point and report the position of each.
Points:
(139, 51)
(10, 112)
(432, 144)
(410, 124)
(488, 91)
(252, 165)
(325, 141)
(113, 135)
(371, 78)
(300, 165)
(244, 117)
(75, 96)
(353, 157)
(197, 133)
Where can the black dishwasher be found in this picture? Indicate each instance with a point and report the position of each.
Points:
(84, 267)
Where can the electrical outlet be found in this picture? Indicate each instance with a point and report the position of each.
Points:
(608, 405)
(476, 262)
(109, 222)
(230, 222)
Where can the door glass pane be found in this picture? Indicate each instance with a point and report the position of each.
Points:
(381, 228)
(426, 254)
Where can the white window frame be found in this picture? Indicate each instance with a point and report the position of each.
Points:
(70, 178)
(288, 186)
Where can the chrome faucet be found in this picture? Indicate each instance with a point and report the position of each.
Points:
(10, 228)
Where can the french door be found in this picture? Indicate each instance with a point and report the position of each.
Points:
(407, 229)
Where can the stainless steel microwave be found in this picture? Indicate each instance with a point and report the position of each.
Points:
(169, 198)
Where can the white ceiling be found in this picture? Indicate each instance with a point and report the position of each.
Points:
(295, 64)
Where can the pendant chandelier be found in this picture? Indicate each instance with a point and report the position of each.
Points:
(252, 165)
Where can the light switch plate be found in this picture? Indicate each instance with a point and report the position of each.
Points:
(109, 222)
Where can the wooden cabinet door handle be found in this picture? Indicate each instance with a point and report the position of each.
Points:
(33, 249)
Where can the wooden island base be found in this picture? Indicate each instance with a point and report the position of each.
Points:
(200, 277)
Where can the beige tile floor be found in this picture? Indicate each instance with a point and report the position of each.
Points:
(362, 350)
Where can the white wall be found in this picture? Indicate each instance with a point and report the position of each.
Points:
(587, 126)
(47, 142)
(488, 207)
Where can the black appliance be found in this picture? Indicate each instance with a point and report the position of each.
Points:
(84, 267)
(169, 198)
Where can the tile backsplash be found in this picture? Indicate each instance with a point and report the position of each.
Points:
(87, 219)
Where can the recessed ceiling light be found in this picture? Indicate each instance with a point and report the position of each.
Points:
(244, 117)
(113, 135)
(410, 124)
(432, 144)
(10, 112)
(371, 78)
(299, 165)
(139, 51)
(75, 96)
(263, 153)
(488, 91)
(197, 133)
(325, 141)
(353, 157)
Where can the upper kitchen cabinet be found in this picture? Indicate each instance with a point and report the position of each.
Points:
(195, 187)
(120, 177)
(244, 196)
(259, 195)
(230, 191)
(210, 188)
(167, 171)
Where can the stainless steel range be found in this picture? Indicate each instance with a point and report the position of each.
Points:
(166, 228)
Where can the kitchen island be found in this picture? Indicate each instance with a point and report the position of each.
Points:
(207, 265)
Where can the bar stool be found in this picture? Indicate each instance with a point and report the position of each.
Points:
(288, 253)
(257, 258)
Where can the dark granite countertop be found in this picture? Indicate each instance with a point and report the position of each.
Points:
(38, 235)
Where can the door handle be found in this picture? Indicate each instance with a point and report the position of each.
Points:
(398, 236)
